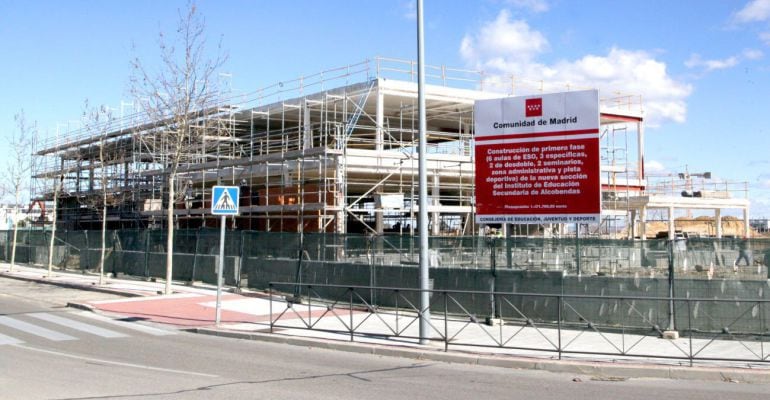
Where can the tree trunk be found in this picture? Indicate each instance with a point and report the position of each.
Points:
(15, 229)
(104, 234)
(170, 230)
(53, 230)
(15, 235)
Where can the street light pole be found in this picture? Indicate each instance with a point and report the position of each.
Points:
(423, 183)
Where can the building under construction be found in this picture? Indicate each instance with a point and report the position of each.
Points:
(337, 152)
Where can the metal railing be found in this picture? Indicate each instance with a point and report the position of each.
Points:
(732, 331)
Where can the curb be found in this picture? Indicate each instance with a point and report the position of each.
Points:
(596, 369)
(70, 285)
(81, 306)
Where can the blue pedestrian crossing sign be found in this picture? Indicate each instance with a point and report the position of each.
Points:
(224, 200)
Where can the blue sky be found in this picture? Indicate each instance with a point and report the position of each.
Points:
(702, 68)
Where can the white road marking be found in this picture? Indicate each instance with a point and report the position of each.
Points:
(34, 329)
(121, 364)
(78, 326)
(151, 298)
(8, 340)
(129, 325)
(257, 307)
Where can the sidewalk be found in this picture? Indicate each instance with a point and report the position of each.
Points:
(248, 316)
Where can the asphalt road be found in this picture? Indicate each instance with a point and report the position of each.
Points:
(76, 355)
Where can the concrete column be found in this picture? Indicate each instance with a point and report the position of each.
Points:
(508, 248)
(77, 179)
(125, 173)
(380, 120)
(643, 223)
(640, 149)
(436, 203)
(379, 217)
(341, 187)
(718, 222)
(379, 146)
(632, 228)
(307, 131)
(671, 223)
(746, 226)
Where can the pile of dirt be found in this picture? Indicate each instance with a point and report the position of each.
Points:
(702, 226)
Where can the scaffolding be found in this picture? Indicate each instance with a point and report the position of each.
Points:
(331, 152)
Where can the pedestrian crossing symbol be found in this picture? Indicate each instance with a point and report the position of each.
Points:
(224, 200)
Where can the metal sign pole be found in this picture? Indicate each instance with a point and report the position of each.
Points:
(220, 268)
(224, 201)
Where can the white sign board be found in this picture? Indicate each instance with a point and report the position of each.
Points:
(224, 200)
(537, 159)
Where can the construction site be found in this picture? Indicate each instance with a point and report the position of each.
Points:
(336, 152)
(327, 166)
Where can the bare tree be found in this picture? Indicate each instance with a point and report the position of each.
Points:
(57, 186)
(178, 96)
(18, 169)
(104, 158)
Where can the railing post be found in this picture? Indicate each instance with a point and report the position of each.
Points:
(446, 321)
(239, 274)
(88, 252)
(395, 295)
(762, 328)
(623, 330)
(350, 311)
(671, 319)
(558, 322)
(689, 328)
(146, 253)
(270, 299)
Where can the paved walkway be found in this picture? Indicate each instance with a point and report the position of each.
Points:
(248, 315)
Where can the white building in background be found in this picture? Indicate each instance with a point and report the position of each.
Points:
(22, 214)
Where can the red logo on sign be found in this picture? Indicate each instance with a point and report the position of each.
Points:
(533, 107)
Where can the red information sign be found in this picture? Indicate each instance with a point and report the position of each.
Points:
(537, 159)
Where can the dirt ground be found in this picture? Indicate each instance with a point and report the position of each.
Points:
(703, 226)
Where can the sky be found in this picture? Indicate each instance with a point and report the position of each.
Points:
(701, 68)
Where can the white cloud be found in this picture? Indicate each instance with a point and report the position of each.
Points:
(502, 43)
(695, 61)
(763, 181)
(532, 5)
(409, 9)
(765, 37)
(753, 54)
(760, 197)
(760, 207)
(754, 11)
(505, 48)
(654, 167)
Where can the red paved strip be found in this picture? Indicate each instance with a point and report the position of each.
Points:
(190, 311)
(185, 311)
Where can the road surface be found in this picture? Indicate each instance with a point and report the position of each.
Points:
(49, 351)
